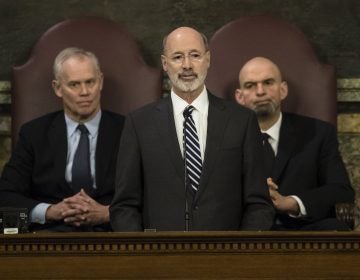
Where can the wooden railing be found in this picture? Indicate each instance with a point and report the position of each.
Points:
(180, 255)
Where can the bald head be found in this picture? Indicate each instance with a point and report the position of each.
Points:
(186, 60)
(257, 64)
(262, 89)
(187, 34)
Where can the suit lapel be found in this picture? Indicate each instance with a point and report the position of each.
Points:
(107, 138)
(58, 140)
(217, 119)
(286, 147)
(164, 120)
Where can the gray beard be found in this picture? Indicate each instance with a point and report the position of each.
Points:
(188, 86)
(265, 111)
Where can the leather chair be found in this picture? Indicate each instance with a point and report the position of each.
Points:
(129, 82)
(312, 85)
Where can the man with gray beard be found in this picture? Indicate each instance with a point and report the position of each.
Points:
(191, 161)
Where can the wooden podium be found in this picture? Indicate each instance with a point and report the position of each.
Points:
(181, 255)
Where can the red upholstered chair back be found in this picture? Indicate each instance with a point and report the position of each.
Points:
(129, 82)
(312, 85)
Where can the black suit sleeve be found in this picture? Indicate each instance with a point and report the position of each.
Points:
(126, 207)
(15, 181)
(333, 182)
(259, 212)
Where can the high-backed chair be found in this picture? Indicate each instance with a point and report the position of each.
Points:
(129, 82)
(312, 85)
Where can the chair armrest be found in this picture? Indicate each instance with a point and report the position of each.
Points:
(345, 212)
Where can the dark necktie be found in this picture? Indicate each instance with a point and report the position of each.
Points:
(268, 154)
(192, 154)
(81, 172)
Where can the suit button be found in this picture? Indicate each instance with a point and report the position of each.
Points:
(196, 207)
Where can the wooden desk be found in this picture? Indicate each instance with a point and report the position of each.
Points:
(179, 255)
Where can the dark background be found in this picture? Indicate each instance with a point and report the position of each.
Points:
(332, 26)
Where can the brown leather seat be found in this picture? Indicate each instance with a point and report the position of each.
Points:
(129, 81)
(312, 85)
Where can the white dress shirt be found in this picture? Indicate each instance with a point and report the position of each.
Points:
(199, 115)
(73, 137)
(37, 215)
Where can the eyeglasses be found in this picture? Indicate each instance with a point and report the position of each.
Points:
(180, 58)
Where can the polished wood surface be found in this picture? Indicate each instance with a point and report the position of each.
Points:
(181, 255)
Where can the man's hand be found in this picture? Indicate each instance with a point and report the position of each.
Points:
(85, 211)
(56, 211)
(285, 204)
(78, 210)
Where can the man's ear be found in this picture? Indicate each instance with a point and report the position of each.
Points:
(207, 57)
(101, 77)
(283, 90)
(56, 86)
(163, 61)
(239, 96)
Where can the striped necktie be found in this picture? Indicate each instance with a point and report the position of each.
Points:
(192, 154)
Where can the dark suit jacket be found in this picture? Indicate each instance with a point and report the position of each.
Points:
(36, 170)
(308, 164)
(150, 189)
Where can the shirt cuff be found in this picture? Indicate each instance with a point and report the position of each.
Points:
(37, 214)
(302, 212)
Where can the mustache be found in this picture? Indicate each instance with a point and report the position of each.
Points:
(266, 100)
(187, 73)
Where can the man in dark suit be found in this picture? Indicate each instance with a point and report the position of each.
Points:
(40, 173)
(221, 186)
(307, 177)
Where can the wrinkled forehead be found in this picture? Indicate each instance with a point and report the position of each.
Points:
(184, 42)
(78, 69)
(75, 61)
(258, 71)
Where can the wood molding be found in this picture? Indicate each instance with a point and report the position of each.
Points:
(5, 97)
(180, 255)
(5, 86)
(174, 242)
(348, 90)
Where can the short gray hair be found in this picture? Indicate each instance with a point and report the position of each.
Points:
(73, 52)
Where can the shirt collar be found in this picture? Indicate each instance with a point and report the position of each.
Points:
(92, 125)
(201, 103)
(274, 131)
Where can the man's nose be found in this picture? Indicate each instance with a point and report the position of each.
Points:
(84, 88)
(187, 63)
(260, 89)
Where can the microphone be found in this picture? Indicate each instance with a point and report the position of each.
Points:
(187, 213)
(186, 115)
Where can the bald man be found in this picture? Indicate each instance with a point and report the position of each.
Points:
(307, 177)
(211, 179)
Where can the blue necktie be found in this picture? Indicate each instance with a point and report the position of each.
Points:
(81, 172)
(192, 154)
